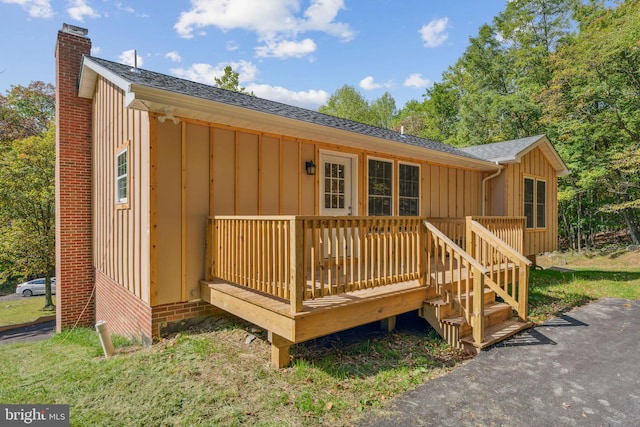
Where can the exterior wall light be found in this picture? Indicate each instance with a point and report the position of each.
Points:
(310, 167)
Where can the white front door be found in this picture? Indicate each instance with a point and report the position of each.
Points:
(338, 184)
(338, 197)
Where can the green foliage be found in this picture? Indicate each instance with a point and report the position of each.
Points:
(26, 111)
(348, 103)
(230, 80)
(27, 207)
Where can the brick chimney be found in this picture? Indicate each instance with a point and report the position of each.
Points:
(75, 302)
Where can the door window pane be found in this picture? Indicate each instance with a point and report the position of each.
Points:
(334, 185)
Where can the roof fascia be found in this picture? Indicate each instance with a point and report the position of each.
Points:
(89, 75)
(157, 100)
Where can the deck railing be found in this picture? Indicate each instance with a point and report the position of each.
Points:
(508, 269)
(509, 229)
(455, 274)
(300, 258)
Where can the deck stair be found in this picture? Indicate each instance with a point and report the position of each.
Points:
(499, 322)
(497, 269)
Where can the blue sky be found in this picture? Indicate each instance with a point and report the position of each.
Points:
(293, 51)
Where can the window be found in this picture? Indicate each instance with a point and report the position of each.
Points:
(122, 180)
(409, 190)
(334, 185)
(380, 187)
(541, 206)
(535, 206)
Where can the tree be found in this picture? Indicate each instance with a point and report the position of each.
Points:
(230, 80)
(26, 111)
(347, 102)
(27, 208)
(593, 106)
(383, 111)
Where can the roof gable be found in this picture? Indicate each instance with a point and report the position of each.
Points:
(512, 151)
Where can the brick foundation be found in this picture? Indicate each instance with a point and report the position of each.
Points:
(170, 317)
(125, 314)
(129, 316)
(74, 264)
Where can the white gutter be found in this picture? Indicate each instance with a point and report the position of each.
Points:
(484, 182)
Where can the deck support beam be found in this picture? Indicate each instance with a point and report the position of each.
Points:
(280, 350)
(388, 324)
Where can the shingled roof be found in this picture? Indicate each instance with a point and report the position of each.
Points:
(177, 85)
(513, 150)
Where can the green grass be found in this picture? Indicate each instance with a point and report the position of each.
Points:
(590, 276)
(214, 378)
(22, 310)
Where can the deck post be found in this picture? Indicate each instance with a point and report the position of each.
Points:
(280, 350)
(209, 267)
(296, 266)
(523, 293)
(388, 324)
(424, 254)
(469, 237)
(478, 306)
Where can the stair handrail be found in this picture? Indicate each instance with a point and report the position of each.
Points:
(474, 317)
(519, 300)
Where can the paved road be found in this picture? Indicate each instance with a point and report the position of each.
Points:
(41, 331)
(581, 369)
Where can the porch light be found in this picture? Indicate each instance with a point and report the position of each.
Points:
(310, 167)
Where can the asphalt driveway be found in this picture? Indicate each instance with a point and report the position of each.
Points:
(580, 369)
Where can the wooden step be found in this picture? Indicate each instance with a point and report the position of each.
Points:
(444, 310)
(494, 313)
(495, 333)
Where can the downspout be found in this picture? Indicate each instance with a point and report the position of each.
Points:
(484, 184)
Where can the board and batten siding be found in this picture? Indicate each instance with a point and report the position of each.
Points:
(505, 193)
(121, 244)
(208, 169)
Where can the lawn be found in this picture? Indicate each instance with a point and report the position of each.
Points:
(218, 378)
(221, 376)
(22, 310)
(570, 280)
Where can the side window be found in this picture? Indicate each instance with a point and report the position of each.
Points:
(535, 202)
(122, 175)
(541, 204)
(380, 187)
(409, 190)
(528, 201)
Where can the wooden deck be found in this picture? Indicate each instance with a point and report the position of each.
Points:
(305, 277)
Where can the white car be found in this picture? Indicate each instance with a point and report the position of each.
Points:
(35, 287)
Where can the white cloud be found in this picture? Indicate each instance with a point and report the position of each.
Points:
(174, 56)
(277, 23)
(368, 84)
(310, 99)
(434, 33)
(206, 73)
(124, 8)
(35, 8)
(95, 50)
(416, 80)
(232, 45)
(79, 9)
(126, 57)
(286, 49)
